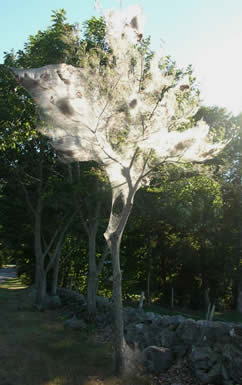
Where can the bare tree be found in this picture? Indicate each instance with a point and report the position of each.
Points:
(125, 114)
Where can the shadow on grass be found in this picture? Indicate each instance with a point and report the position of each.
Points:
(36, 349)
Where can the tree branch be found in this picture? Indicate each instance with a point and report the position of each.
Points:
(60, 242)
(165, 89)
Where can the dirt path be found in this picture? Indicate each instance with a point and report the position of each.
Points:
(7, 272)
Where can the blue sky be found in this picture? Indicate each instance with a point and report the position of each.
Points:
(204, 33)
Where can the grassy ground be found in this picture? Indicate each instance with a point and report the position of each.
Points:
(229, 316)
(35, 348)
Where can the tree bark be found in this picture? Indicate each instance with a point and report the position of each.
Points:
(122, 201)
(40, 273)
(55, 274)
(148, 278)
(41, 288)
(92, 273)
(239, 298)
(206, 297)
(54, 260)
(91, 228)
(119, 364)
(100, 265)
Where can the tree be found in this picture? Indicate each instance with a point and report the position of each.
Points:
(30, 163)
(128, 114)
(92, 200)
(21, 146)
(228, 173)
(234, 177)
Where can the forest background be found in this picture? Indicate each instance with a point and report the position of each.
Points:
(183, 239)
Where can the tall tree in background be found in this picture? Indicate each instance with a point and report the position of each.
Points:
(235, 176)
(58, 43)
(229, 176)
(128, 114)
(93, 201)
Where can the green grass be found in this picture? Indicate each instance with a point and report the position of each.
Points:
(229, 316)
(36, 349)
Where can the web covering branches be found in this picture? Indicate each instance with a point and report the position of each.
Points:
(119, 114)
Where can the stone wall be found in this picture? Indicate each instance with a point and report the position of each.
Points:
(212, 349)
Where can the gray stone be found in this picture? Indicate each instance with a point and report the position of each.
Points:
(102, 301)
(133, 315)
(150, 316)
(177, 319)
(166, 337)
(160, 357)
(141, 336)
(188, 331)
(139, 326)
(68, 295)
(52, 302)
(180, 350)
(232, 360)
(74, 323)
(206, 364)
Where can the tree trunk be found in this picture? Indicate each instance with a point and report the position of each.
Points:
(239, 298)
(100, 265)
(172, 297)
(55, 274)
(206, 297)
(92, 274)
(54, 257)
(119, 363)
(40, 274)
(122, 202)
(149, 265)
(148, 288)
(41, 288)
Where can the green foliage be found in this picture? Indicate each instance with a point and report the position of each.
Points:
(58, 44)
(94, 34)
(17, 113)
(184, 232)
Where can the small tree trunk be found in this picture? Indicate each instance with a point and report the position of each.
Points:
(149, 265)
(41, 289)
(206, 298)
(141, 302)
(92, 270)
(55, 274)
(70, 284)
(239, 298)
(119, 363)
(91, 295)
(172, 297)
(100, 265)
(148, 288)
(40, 273)
(66, 273)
